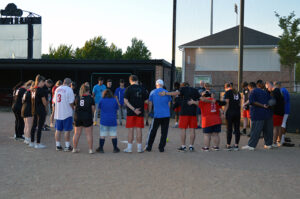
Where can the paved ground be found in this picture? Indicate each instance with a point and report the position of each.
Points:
(45, 173)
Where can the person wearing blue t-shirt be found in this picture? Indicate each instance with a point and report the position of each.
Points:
(119, 95)
(261, 117)
(97, 94)
(108, 121)
(161, 106)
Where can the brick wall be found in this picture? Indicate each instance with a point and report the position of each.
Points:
(221, 77)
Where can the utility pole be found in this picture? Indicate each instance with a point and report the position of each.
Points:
(211, 16)
(173, 69)
(241, 45)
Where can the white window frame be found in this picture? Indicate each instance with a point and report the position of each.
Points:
(205, 76)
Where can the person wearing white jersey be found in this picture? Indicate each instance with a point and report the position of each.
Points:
(64, 99)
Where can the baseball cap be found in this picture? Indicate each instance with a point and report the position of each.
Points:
(159, 81)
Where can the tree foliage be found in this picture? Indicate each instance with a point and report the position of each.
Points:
(137, 50)
(61, 52)
(289, 44)
(97, 48)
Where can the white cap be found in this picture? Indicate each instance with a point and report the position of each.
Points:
(159, 81)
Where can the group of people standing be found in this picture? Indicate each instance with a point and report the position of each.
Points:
(266, 105)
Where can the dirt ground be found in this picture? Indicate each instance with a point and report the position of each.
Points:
(45, 173)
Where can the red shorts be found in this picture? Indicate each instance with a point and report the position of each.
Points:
(186, 122)
(177, 109)
(145, 106)
(246, 113)
(277, 120)
(134, 122)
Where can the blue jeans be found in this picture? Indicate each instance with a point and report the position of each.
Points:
(257, 127)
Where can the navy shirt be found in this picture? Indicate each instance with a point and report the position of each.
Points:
(108, 110)
(160, 103)
(262, 97)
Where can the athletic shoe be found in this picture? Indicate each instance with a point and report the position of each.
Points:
(182, 149)
(191, 149)
(148, 149)
(244, 132)
(235, 148)
(68, 149)
(75, 150)
(59, 148)
(287, 144)
(47, 126)
(161, 150)
(215, 148)
(175, 126)
(39, 146)
(96, 124)
(127, 150)
(248, 135)
(26, 141)
(274, 145)
(45, 129)
(140, 151)
(31, 144)
(205, 149)
(228, 148)
(116, 150)
(91, 151)
(100, 150)
(287, 139)
(248, 148)
(199, 127)
(20, 139)
(267, 146)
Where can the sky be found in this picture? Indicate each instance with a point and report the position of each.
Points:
(73, 22)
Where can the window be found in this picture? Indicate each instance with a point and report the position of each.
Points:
(198, 78)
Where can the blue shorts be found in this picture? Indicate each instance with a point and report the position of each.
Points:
(64, 125)
(212, 129)
(108, 131)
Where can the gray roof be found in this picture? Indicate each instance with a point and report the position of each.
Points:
(230, 37)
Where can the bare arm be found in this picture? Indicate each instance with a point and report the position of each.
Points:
(136, 111)
(175, 93)
(150, 107)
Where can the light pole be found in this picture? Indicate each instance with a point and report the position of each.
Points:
(211, 16)
(241, 45)
(173, 43)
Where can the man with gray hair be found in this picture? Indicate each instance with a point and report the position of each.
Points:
(161, 106)
(63, 99)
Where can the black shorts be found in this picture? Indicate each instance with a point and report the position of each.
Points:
(212, 129)
(26, 112)
(84, 123)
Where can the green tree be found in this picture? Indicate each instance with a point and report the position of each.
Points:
(289, 44)
(61, 52)
(137, 50)
(115, 52)
(95, 48)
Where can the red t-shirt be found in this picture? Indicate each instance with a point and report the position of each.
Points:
(210, 114)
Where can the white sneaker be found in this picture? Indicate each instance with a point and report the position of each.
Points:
(75, 150)
(127, 150)
(26, 141)
(248, 148)
(267, 147)
(39, 146)
(31, 144)
(274, 145)
(91, 151)
(140, 150)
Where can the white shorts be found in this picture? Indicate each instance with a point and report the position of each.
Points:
(108, 131)
(285, 117)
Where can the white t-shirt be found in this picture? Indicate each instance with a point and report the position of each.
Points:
(63, 97)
